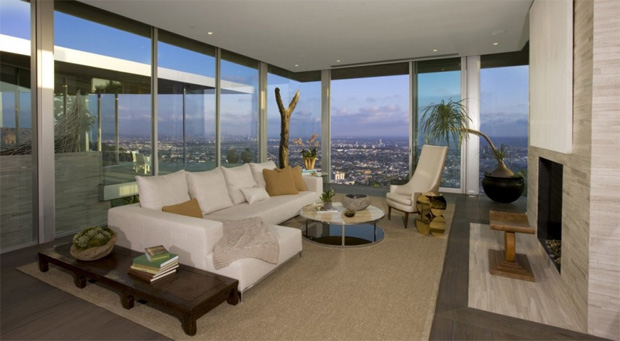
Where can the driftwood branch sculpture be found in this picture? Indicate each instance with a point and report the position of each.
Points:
(285, 115)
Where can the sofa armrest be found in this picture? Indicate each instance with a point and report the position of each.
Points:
(314, 183)
(191, 238)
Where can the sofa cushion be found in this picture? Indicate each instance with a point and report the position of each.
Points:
(279, 181)
(189, 208)
(297, 178)
(210, 189)
(162, 190)
(257, 171)
(254, 194)
(273, 210)
(237, 178)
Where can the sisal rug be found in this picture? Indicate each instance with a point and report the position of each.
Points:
(385, 291)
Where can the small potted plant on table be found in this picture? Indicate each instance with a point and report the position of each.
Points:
(326, 198)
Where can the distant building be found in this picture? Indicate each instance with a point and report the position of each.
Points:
(339, 176)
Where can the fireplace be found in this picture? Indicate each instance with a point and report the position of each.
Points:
(550, 209)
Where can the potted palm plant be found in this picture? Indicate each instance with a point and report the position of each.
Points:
(449, 120)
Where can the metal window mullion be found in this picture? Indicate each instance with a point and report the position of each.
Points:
(471, 166)
(326, 164)
(42, 85)
(218, 93)
(413, 116)
(154, 103)
(184, 122)
(262, 113)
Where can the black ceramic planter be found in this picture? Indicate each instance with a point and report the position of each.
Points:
(504, 190)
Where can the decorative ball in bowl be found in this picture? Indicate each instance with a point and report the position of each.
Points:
(93, 243)
(355, 202)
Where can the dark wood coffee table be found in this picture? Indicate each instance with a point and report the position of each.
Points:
(188, 294)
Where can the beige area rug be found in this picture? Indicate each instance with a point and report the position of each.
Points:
(544, 301)
(385, 291)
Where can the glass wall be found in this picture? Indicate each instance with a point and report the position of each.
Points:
(102, 109)
(439, 80)
(504, 109)
(370, 125)
(306, 118)
(186, 104)
(16, 159)
(238, 109)
(103, 114)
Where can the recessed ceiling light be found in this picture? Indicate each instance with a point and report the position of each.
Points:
(296, 65)
(210, 33)
(337, 60)
(435, 50)
(495, 44)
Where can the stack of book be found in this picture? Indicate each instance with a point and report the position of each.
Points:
(156, 263)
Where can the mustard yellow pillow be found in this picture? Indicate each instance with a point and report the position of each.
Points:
(279, 182)
(189, 208)
(297, 178)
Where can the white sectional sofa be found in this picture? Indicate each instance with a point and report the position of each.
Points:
(223, 194)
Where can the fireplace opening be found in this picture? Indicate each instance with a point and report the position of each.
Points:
(550, 209)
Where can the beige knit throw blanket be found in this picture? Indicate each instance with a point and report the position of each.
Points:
(245, 238)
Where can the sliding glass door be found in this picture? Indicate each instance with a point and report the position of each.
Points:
(186, 104)
(16, 133)
(370, 125)
(439, 80)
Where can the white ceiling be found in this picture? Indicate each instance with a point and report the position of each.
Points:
(314, 34)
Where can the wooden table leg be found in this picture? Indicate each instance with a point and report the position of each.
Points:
(233, 297)
(510, 246)
(44, 265)
(127, 300)
(79, 280)
(189, 324)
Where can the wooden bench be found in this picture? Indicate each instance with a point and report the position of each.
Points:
(508, 263)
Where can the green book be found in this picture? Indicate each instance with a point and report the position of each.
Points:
(142, 260)
(158, 252)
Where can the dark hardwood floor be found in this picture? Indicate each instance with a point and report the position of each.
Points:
(31, 309)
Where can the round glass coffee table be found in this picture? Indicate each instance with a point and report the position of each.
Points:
(332, 227)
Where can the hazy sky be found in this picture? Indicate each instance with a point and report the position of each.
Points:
(376, 106)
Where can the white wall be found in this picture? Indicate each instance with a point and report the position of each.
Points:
(551, 75)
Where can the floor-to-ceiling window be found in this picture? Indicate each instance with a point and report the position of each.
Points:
(370, 125)
(16, 159)
(102, 109)
(306, 118)
(504, 108)
(238, 109)
(186, 104)
(439, 80)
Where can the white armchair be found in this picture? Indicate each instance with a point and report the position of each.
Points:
(426, 178)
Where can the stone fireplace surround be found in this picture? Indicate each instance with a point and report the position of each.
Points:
(591, 185)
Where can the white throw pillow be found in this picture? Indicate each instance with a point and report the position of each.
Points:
(254, 194)
(257, 171)
(209, 188)
(236, 179)
(162, 190)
